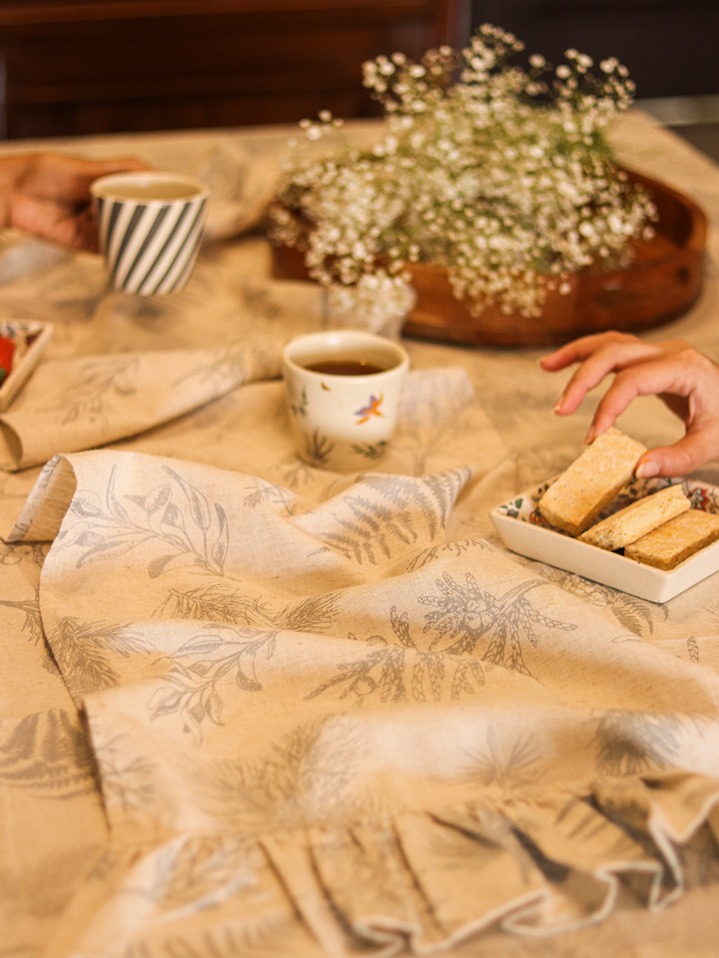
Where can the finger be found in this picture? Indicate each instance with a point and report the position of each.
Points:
(67, 179)
(683, 457)
(648, 379)
(612, 357)
(580, 349)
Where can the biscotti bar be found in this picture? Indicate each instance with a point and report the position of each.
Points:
(575, 499)
(637, 519)
(674, 541)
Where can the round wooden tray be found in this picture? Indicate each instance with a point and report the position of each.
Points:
(664, 280)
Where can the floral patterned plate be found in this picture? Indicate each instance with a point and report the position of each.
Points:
(523, 530)
(30, 340)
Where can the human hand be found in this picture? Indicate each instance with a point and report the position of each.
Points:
(685, 379)
(48, 195)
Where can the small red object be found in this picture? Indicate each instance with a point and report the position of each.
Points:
(7, 352)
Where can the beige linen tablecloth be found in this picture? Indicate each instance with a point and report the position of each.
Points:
(251, 708)
(335, 718)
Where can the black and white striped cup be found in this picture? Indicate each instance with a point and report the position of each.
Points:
(150, 226)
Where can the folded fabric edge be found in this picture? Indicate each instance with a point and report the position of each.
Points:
(46, 505)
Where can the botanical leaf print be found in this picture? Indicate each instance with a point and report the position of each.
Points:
(631, 743)
(370, 450)
(511, 764)
(391, 513)
(453, 549)
(194, 533)
(222, 602)
(300, 407)
(402, 670)
(90, 397)
(190, 688)
(270, 492)
(228, 365)
(464, 616)
(47, 753)
(127, 781)
(30, 608)
(294, 472)
(303, 778)
(83, 651)
(433, 497)
(203, 665)
(465, 613)
(200, 871)
(636, 615)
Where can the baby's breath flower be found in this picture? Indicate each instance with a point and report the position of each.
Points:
(502, 177)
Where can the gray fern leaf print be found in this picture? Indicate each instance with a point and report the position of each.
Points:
(46, 753)
(383, 514)
(226, 602)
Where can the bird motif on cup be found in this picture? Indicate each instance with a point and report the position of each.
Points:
(371, 409)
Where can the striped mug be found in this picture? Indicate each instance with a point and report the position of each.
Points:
(150, 226)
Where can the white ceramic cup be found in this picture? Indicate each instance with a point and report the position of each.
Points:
(343, 388)
(150, 226)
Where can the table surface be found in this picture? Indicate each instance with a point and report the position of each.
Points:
(77, 853)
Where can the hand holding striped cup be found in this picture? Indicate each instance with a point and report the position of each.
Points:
(150, 226)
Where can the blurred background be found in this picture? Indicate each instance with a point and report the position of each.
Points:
(74, 67)
(670, 47)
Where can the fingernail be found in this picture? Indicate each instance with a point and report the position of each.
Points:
(558, 408)
(647, 470)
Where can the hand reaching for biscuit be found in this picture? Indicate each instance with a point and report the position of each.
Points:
(686, 380)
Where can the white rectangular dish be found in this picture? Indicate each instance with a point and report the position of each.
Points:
(523, 530)
(31, 338)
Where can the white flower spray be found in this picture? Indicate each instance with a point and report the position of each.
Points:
(503, 174)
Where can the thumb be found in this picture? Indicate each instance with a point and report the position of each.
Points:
(683, 457)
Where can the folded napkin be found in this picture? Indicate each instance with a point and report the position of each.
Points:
(333, 727)
(92, 401)
(241, 186)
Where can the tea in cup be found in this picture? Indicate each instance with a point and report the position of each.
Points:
(343, 389)
(150, 226)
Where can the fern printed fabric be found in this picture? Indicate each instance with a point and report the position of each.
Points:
(332, 720)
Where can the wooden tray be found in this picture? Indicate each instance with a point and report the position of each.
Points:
(664, 280)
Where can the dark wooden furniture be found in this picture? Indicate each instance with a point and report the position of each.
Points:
(99, 66)
(669, 46)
